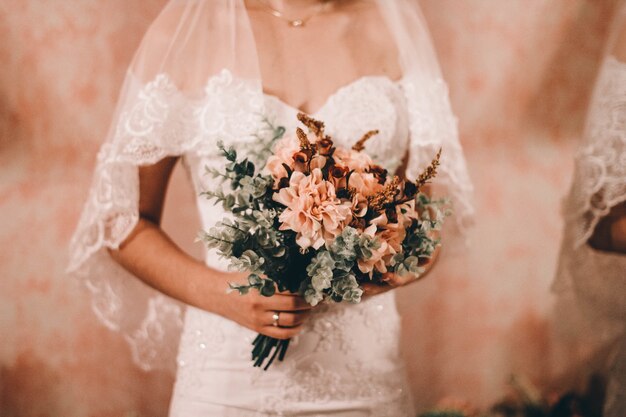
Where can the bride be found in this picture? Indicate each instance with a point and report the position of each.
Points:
(218, 70)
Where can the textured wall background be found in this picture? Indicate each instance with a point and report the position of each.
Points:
(520, 73)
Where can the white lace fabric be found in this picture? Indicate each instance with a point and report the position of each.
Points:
(594, 282)
(599, 184)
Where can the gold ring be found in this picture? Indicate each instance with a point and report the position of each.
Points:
(275, 317)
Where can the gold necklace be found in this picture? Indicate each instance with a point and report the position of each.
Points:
(295, 23)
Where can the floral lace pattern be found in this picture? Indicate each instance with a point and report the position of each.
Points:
(346, 359)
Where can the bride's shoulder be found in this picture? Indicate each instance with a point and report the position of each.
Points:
(183, 42)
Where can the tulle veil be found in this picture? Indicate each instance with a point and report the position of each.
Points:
(175, 101)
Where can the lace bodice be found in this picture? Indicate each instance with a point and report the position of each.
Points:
(351, 111)
(347, 356)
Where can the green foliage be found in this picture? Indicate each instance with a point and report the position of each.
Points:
(346, 288)
(320, 272)
(344, 249)
(420, 242)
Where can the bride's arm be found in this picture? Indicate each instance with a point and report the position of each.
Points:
(394, 280)
(151, 255)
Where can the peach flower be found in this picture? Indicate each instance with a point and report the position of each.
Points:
(313, 210)
(283, 153)
(376, 261)
(390, 236)
(407, 213)
(358, 161)
(365, 183)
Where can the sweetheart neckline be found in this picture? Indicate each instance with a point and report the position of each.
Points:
(337, 92)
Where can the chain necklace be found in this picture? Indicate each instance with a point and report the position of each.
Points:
(296, 23)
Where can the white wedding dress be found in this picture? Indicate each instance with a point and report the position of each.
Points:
(346, 361)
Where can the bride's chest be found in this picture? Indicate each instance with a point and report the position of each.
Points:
(368, 103)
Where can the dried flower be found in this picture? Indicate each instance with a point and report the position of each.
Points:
(429, 173)
(360, 144)
(305, 143)
(315, 126)
(378, 201)
(301, 160)
(379, 172)
(325, 146)
(338, 171)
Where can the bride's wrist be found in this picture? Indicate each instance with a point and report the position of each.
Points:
(209, 288)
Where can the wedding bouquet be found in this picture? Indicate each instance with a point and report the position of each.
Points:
(319, 220)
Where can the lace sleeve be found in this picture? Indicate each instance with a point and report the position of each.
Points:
(600, 174)
(155, 120)
(147, 130)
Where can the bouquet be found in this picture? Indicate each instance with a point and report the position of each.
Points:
(318, 220)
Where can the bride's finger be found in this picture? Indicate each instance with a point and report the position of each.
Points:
(281, 302)
(370, 289)
(288, 293)
(396, 280)
(287, 319)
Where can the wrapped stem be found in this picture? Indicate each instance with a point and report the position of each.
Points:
(264, 346)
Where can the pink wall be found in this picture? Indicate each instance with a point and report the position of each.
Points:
(520, 73)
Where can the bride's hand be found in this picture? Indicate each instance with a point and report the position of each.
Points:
(256, 312)
(391, 280)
